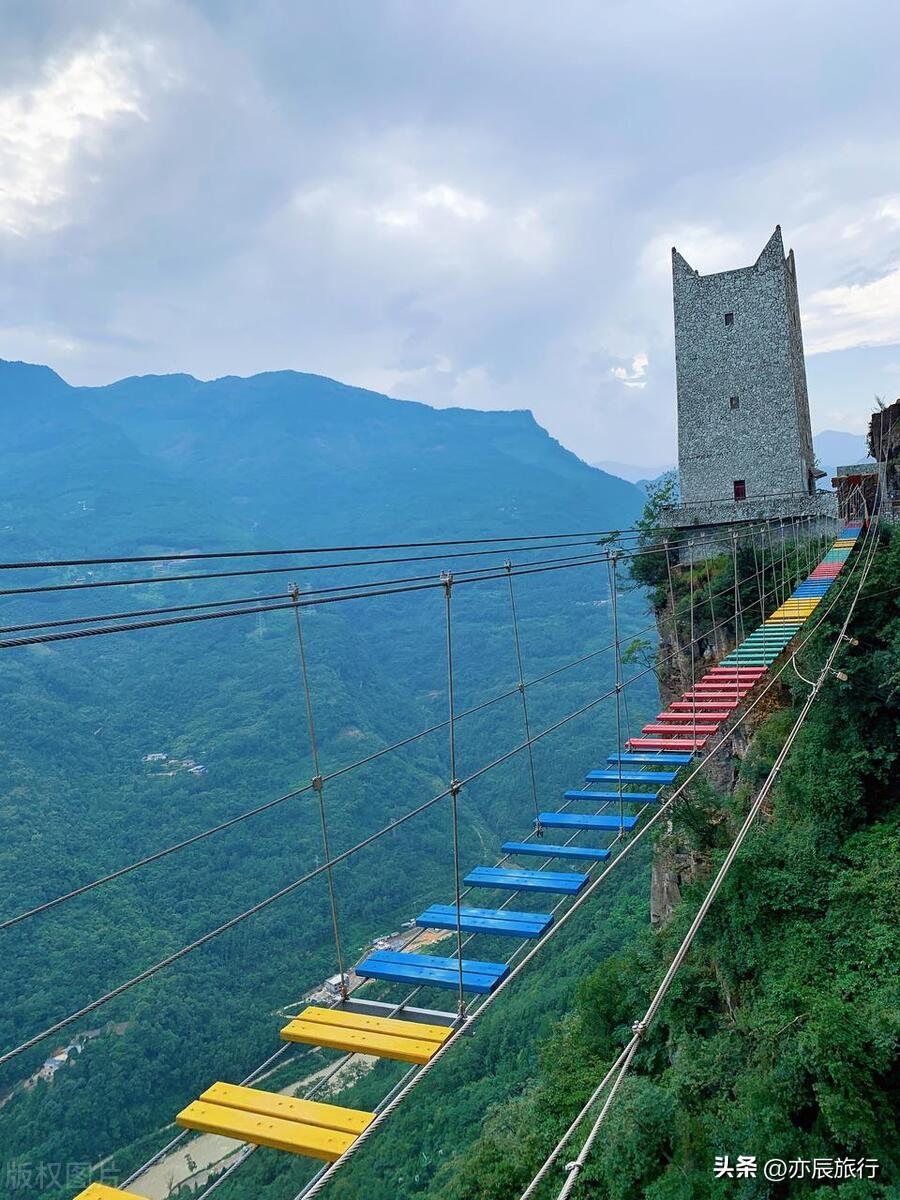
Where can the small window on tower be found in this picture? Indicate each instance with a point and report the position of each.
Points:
(729, 318)
(740, 489)
(734, 401)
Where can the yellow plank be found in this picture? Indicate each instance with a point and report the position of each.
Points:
(293, 1136)
(100, 1191)
(359, 1041)
(417, 1030)
(288, 1108)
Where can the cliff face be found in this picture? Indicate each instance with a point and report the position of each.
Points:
(680, 857)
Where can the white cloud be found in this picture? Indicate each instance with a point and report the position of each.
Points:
(868, 314)
(440, 198)
(633, 378)
(44, 127)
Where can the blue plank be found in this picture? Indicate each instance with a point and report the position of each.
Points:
(631, 797)
(478, 976)
(518, 879)
(659, 756)
(485, 920)
(552, 820)
(543, 850)
(632, 776)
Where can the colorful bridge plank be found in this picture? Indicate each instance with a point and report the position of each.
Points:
(306, 1127)
(485, 920)
(404, 967)
(519, 879)
(358, 1033)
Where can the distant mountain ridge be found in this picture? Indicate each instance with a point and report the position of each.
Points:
(294, 454)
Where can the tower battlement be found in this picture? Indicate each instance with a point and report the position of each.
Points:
(744, 438)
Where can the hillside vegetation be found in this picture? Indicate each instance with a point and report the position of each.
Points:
(779, 1038)
(170, 464)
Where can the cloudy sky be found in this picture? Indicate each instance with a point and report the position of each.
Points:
(465, 202)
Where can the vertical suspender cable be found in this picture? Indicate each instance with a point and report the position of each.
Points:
(694, 675)
(319, 788)
(738, 615)
(674, 618)
(776, 591)
(627, 714)
(759, 580)
(712, 609)
(738, 611)
(611, 565)
(447, 580)
(520, 684)
(784, 575)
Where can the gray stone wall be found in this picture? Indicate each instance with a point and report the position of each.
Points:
(767, 508)
(743, 409)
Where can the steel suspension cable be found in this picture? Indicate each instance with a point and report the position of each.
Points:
(288, 889)
(672, 602)
(712, 609)
(694, 671)
(318, 785)
(521, 689)
(613, 599)
(575, 1168)
(454, 788)
(252, 606)
(335, 774)
(276, 553)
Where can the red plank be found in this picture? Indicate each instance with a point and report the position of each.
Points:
(729, 695)
(649, 743)
(685, 729)
(707, 714)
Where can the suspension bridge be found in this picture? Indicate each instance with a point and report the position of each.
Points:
(558, 864)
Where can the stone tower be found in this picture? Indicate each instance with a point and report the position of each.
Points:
(744, 438)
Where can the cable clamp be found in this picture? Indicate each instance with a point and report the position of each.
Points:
(639, 1029)
(317, 783)
(455, 787)
(520, 686)
(294, 592)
